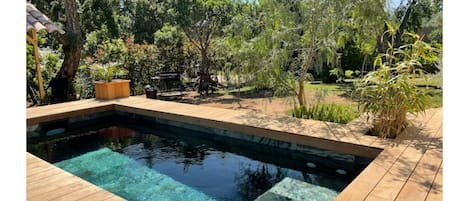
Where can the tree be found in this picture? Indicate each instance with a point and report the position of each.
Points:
(169, 42)
(297, 35)
(201, 21)
(410, 17)
(149, 17)
(96, 13)
(72, 44)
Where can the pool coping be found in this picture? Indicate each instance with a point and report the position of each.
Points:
(342, 138)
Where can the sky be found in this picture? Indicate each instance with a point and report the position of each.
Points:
(395, 3)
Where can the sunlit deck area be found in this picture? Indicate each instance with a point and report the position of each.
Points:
(407, 168)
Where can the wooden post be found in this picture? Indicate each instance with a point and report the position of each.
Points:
(33, 39)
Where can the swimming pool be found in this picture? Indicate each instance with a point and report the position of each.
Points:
(139, 159)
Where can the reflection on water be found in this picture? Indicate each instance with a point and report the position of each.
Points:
(225, 169)
(254, 181)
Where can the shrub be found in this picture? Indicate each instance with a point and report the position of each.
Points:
(326, 112)
(391, 91)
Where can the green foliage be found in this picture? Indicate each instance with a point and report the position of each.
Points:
(96, 14)
(278, 42)
(169, 42)
(330, 88)
(139, 90)
(106, 72)
(338, 73)
(93, 40)
(51, 65)
(326, 112)
(422, 12)
(149, 16)
(339, 113)
(260, 43)
(83, 83)
(202, 21)
(139, 60)
(109, 51)
(353, 57)
(391, 91)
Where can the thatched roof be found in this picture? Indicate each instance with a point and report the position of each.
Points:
(38, 21)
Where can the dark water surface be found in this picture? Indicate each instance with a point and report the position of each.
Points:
(220, 167)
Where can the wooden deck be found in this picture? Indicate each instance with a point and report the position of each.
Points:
(408, 168)
(47, 182)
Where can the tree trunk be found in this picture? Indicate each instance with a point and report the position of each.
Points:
(382, 41)
(205, 81)
(205, 61)
(404, 23)
(72, 43)
(382, 45)
(301, 92)
(307, 62)
(301, 80)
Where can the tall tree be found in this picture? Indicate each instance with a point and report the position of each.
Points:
(201, 21)
(297, 35)
(96, 13)
(409, 17)
(72, 44)
(149, 17)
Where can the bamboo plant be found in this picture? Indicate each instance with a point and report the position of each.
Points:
(390, 92)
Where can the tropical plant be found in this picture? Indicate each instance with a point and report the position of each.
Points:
(106, 72)
(390, 92)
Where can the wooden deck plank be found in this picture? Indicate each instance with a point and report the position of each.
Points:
(418, 185)
(364, 184)
(46, 186)
(98, 195)
(47, 182)
(436, 191)
(36, 172)
(390, 185)
(78, 194)
(46, 172)
(64, 190)
(376, 170)
(396, 177)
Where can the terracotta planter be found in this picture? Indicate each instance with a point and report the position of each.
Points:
(112, 90)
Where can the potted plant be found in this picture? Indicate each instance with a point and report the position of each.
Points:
(106, 87)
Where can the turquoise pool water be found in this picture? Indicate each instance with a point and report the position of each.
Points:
(127, 178)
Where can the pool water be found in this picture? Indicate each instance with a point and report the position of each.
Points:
(128, 178)
(171, 163)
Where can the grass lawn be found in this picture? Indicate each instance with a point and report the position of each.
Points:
(334, 88)
(435, 90)
(235, 90)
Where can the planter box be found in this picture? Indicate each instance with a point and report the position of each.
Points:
(112, 90)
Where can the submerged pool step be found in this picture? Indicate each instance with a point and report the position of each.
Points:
(294, 190)
(127, 178)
